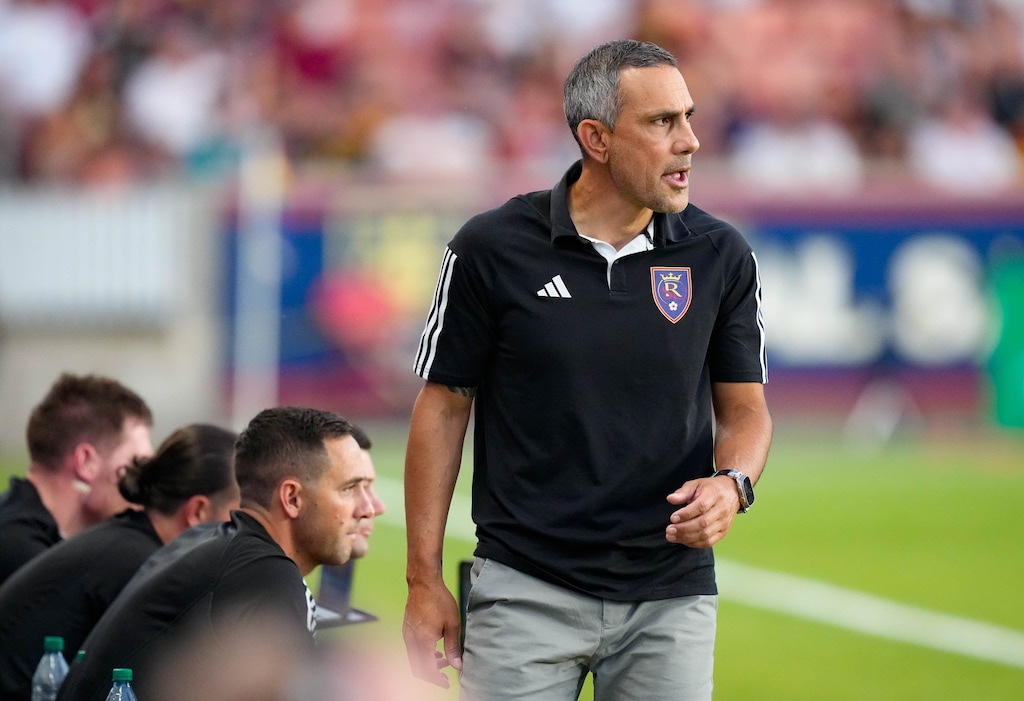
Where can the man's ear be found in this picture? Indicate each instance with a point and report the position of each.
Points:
(85, 462)
(197, 510)
(593, 136)
(289, 496)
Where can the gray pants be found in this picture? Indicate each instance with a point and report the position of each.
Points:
(530, 640)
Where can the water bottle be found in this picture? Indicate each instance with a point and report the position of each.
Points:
(50, 671)
(122, 688)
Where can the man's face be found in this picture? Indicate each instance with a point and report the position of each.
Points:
(104, 499)
(327, 526)
(650, 149)
(361, 545)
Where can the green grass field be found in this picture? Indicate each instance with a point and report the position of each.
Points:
(931, 521)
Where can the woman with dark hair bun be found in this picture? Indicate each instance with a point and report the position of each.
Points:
(190, 480)
(64, 591)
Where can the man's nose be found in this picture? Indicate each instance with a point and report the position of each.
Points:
(368, 502)
(687, 141)
(378, 505)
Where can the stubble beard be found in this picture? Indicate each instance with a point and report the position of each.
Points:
(320, 545)
(658, 197)
(669, 200)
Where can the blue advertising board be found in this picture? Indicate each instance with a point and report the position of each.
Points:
(903, 288)
(898, 292)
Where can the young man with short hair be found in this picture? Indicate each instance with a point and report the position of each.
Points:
(80, 436)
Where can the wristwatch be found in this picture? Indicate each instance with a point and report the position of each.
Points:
(743, 486)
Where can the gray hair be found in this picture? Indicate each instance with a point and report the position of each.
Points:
(592, 88)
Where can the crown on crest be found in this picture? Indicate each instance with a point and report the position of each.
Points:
(672, 276)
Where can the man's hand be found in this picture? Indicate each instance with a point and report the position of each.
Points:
(709, 506)
(431, 614)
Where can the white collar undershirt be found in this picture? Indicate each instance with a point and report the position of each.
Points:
(644, 241)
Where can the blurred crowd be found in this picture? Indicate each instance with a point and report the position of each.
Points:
(791, 94)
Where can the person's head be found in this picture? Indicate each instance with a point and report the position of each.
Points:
(303, 466)
(629, 108)
(190, 479)
(89, 427)
(361, 545)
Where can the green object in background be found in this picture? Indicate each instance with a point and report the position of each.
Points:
(1006, 364)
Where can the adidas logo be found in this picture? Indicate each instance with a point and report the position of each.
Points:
(555, 288)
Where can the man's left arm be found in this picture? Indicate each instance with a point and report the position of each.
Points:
(742, 436)
(744, 427)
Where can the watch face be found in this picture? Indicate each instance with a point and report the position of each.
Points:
(748, 491)
(743, 484)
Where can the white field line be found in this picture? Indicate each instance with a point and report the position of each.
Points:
(809, 599)
(864, 613)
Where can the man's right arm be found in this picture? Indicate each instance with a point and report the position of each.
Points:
(437, 430)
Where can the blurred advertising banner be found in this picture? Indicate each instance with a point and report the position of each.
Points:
(354, 288)
(853, 291)
(902, 292)
(887, 306)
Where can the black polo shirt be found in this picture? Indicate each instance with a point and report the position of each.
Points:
(64, 591)
(594, 386)
(220, 582)
(27, 526)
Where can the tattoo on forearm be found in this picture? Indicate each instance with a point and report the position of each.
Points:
(464, 391)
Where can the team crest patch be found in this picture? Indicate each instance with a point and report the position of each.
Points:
(672, 290)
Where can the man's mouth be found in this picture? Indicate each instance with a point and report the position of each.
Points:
(677, 178)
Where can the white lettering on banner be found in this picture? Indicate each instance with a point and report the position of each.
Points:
(809, 306)
(937, 311)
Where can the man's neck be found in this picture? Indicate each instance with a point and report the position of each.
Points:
(279, 529)
(599, 212)
(167, 527)
(61, 497)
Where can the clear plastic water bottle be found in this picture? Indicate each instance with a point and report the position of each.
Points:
(50, 671)
(122, 688)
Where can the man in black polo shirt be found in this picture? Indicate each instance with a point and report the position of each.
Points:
(84, 431)
(304, 489)
(609, 335)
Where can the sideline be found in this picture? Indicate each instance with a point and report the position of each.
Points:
(869, 614)
(813, 600)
